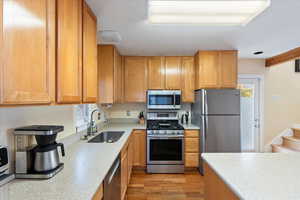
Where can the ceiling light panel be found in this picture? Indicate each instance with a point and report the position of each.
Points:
(206, 12)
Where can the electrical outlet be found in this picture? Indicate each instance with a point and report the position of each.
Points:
(128, 113)
(99, 116)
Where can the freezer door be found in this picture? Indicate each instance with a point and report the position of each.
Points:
(196, 109)
(222, 102)
(222, 134)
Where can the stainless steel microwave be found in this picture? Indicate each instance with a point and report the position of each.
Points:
(163, 99)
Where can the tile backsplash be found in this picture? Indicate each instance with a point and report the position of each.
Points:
(131, 111)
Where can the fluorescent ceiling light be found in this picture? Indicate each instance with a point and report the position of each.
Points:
(205, 12)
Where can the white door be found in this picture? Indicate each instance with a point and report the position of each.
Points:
(250, 114)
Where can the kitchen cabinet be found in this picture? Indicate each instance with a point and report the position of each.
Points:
(173, 72)
(188, 79)
(126, 165)
(124, 173)
(135, 78)
(228, 62)
(207, 69)
(27, 68)
(216, 69)
(69, 51)
(99, 194)
(130, 159)
(215, 188)
(90, 67)
(156, 72)
(111, 75)
(192, 146)
(139, 146)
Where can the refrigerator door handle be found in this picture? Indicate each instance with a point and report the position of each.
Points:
(204, 103)
(204, 132)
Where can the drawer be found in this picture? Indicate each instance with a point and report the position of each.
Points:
(191, 145)
(191, 160)
(191, 133)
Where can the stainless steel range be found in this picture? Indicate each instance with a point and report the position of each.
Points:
(165, 143)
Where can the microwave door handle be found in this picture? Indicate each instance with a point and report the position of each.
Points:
(174, 99)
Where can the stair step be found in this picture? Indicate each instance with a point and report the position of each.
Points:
(276, 148)
(296, 132)
(291, 142)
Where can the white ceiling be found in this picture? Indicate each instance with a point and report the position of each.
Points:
(274, 31)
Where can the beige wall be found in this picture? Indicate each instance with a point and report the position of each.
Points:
(251, 66)
(282, 99)
(11, 118)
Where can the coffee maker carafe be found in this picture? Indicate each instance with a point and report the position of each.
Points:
(40, 161)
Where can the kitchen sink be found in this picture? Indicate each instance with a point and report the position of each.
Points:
(107, 137)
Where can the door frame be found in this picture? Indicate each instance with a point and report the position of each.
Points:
(260, 79)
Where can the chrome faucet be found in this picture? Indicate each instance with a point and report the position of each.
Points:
(92, 128)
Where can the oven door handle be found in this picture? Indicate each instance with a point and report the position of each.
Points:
(166, 138)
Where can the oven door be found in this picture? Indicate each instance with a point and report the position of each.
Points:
(165, 150)
(163, 99)
(3, 159)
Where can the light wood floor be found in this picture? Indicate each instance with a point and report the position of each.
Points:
(188, 186)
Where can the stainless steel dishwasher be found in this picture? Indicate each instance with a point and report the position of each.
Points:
(112, 182)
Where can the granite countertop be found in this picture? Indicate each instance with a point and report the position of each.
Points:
(258, 176)
(86, 165)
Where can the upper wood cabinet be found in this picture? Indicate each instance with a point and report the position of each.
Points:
(188, 79)
(90, 68)
(69, 51)
(27, 66)
(228, 64)
(135, 78)
(111, 75)
(207, 69)
(156, 72)
(216, 69)
(173, 72)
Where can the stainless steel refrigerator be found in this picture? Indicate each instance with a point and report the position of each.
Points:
(217, 112)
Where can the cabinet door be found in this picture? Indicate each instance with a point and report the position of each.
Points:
(106, 56)
(228, 65)
(135, 79)
(118, 78)
(130, 158)
(156, 73)
(188, 79)
(209, 73)
(90, 68)
(191, 160)
(191, 145)
(124, 171)
(69, 51)
(139, 147)
(27, 67)
(173, 72)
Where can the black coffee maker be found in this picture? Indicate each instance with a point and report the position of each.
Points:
(42, 160)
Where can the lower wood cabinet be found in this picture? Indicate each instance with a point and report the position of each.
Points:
(99, 194)
(139, 146)
(126, 165)
(124, 173)
(215, 188)
(192, 145)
